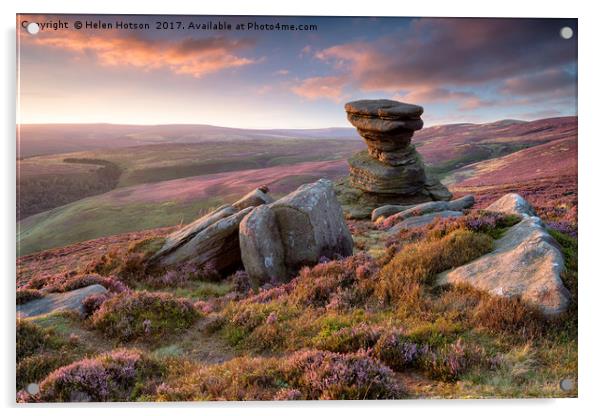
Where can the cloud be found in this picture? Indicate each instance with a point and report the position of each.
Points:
(282, 72)
(191, 56)
(548, 82)
(434, 52)
(439, 60)
(320, 87)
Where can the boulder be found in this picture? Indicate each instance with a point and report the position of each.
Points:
(512, 204)
(261, 247)
(216, 244)
(422, 220)
(370, 175)
(428, 207)
(388, 210)
(254, 198)
(212, 238)
(526, 262)
(52, 302)
(301, 227)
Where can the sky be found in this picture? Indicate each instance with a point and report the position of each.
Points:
(459, 70)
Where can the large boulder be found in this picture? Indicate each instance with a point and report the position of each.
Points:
(54, 302)
(429, 207)
(526, 262)
(276, 240)
(512, 204)
(212, 238)
(216, 244)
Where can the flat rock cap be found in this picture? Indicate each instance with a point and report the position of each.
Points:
(389, 109)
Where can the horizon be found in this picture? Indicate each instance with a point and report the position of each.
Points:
(461, 70)
(276, 128)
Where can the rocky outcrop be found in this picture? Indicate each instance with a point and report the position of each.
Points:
(276, 240)
(422, 220)
(526, 262)
(212, 238)
(391, 170)
(53, 302)
(386, 211)
(429, 207)
(512, 204)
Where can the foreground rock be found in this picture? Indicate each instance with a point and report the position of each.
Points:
(526, 262)
(423, 220)
(53, 302)
(213, 238)
(512, 204)
(429, 207)
(276, 240)
(391, 170)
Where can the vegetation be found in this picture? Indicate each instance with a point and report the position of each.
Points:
(143, 315)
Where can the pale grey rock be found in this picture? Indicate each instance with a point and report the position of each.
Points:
(388, 210)
(307, 224)
(53, 302)
(512, 204)
(526, 262)
(217, 244)
(253, 199)
(428, 207)
(422, 220)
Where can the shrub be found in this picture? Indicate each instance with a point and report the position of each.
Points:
(419, 262)
(396, 351)
(27, 295)
(116, 376)
(32, 338)
(35, 368)
(508, 315)
(93, 302)
(80, 281)
(129, 315)
(349, 339)
(305, 375)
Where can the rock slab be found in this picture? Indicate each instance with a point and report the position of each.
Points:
(67, 301)
(526, 262)
(430, 207)
(212, 238)
(276, 240)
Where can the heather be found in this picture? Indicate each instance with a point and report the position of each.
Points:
(373, 325)
(143, 315)
(119, 375)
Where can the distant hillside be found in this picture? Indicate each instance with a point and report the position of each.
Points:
(49, 139)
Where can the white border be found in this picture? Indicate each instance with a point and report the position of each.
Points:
(590, 123)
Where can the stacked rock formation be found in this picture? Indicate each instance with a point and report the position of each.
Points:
(391, 170)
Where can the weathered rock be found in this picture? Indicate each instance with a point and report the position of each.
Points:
(526, 262)
(422, 220)
(358, 204)
(52, 302)
(388, 210)
(391, 170)
(261, 247)
(199, 242)
(308, 223)
(373, 176)
(253, 199)
(217, 243)
(512, 204)
(185, 234)
(428, 207)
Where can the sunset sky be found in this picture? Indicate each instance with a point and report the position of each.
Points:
(459, 70)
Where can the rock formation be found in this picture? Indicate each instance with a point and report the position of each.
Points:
(391, 170)
(429, 207)
(52, 302)
(276, 240)
(526, 262)
(212, 238)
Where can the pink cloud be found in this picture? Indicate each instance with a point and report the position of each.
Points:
(193, 57)
(315, 88)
